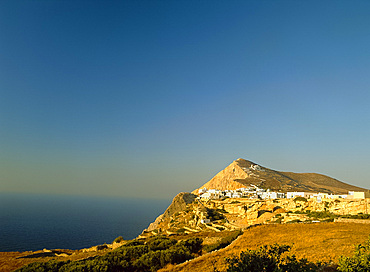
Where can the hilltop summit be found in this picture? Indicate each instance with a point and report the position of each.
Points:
(242, 173)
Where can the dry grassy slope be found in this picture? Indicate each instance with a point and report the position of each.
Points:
(240, 174)
(323, 182)
(316, 242)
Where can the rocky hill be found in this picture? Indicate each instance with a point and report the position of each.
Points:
(232, 214)
(242, 173)
(188, 214)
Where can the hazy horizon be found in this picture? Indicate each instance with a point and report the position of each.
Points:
(151, 98)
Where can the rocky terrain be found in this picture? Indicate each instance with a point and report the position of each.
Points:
(231, 214)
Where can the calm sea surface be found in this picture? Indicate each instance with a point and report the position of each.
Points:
(33, 222)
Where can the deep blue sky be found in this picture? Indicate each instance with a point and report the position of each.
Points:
(150, 98)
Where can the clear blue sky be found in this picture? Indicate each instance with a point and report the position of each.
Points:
(150, 98)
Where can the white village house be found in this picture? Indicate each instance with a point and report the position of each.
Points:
(255, 192)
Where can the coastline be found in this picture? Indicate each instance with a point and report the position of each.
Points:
(35, 222)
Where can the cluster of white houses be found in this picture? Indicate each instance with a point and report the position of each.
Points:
(253, 192)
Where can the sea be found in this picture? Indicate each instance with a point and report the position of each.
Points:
(35, 222)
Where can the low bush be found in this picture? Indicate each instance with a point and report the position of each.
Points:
(134, 257)
(321, 215)
(43, 267)
(270, 259)
(294, 221)
(180, 230)
(300, 198)
(356, 216)
(119, 239)
(359, 262)
(214, 214)
(160, 243)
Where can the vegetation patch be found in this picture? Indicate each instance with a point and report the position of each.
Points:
(300, 198)
(136, 257)
(321, 215)
(294, 221)
(359, 262)
(119, 239)
(214, 214)
(270, 258)
(356, 216)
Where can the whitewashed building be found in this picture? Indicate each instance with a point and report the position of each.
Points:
(356, 195)
(294, 194)
(201, 191)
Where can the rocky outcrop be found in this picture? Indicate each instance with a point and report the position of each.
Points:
(178, 204)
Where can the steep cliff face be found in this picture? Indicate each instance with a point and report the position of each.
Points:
(178, 204)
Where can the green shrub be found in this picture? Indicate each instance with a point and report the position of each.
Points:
(320, 215)
(133, 243)
(43, 267)
(133, 256)
(177, 253)
(119, 239)
(160, 243)
(269, 259)
(214, 214)
(356, 216)
(194, 245)
(360, 262)
(300, 198)
(180, 230)
(294, 221)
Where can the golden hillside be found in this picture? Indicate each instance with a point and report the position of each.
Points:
(242, 173)
(316, 242)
